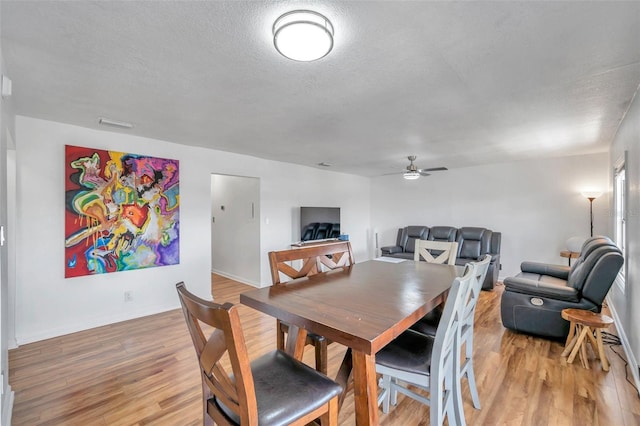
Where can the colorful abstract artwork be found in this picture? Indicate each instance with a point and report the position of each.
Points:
(122, 211)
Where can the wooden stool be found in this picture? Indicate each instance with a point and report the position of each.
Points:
(584, 324)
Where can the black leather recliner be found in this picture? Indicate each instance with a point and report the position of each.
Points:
(406, 242)
(473, 244)
(533, 300)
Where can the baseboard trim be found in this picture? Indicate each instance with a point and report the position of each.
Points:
(7, 404)
(633, 363)
(236, 278)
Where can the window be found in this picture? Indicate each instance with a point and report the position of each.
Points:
(620, 216)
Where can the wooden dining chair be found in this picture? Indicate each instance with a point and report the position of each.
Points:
(436, 251)
(275, 389)
(303, 262)
(429, 324)
(428, 362)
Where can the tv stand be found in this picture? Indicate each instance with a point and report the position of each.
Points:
(314, 242)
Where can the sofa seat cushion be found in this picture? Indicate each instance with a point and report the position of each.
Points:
(541, 286)
(402, 255)
(546, 279)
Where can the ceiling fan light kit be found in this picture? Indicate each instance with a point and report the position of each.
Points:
(303, 35)
(411, 175)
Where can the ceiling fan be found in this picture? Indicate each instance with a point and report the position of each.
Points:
(412, 172)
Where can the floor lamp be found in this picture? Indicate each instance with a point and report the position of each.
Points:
(591, 196)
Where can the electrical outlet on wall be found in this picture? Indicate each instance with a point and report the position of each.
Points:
(128, 296)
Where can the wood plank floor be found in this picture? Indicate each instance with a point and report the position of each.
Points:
(144, 371)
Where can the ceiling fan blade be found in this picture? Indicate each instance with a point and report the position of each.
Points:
(392, 173)
(423, 173)
(434, 169)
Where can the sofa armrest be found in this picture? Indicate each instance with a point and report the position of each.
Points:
(541, 289)
(558, 271)
(391, 249)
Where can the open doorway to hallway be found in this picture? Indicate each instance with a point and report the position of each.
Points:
(235, 227)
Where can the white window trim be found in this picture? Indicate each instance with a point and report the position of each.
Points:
(620, 164)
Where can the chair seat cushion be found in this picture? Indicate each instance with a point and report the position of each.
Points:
(286, 389)
(428, 324)
(411, 352)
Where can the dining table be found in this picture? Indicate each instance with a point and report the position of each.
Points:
(363, 307)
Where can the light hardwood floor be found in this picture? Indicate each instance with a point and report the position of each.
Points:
(144, 371)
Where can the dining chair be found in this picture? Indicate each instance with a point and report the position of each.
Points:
(274, 389)
(429, 324)
(436, 251)
(303, 262)
(427, 362)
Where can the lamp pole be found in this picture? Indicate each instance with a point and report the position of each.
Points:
(591, 212)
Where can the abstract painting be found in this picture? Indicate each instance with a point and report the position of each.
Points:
(122, 211)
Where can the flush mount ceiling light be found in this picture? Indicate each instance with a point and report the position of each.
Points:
(303, 35)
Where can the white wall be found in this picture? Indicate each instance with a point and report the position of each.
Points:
(235, 234)
(47, 304)
(7, 119)
(536, 204)
(625, 304)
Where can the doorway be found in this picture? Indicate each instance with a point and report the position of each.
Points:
(235, 227)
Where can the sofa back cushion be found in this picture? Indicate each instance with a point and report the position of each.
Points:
(411, 234)
(443, 233)
(591, 265)
(473, 242)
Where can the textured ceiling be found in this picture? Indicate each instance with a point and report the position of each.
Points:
(456, 84)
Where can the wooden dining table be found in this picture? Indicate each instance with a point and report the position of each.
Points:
(363, 307)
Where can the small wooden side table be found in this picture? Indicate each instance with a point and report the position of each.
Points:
(570, 255)
(586, 327)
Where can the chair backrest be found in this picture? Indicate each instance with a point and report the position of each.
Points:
(312, 257)
(589, 245)
(445, 356)
(599, 266)
(436, 251)
(408, 236)
(473, 243)
(479, 271)
(443, 233)
(237, 392)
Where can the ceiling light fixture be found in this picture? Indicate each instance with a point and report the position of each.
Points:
(303, 35)
(411, 175)
(114, 123)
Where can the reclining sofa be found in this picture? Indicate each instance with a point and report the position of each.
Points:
(473, 244)
(533, 300)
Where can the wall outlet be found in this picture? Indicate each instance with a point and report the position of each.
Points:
(128, 296)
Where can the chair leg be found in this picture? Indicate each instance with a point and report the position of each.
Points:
(279, 336)
(386, 389)
(471, 378)
(468, 371)
(393, 392)
(321, 355)
(330, 418)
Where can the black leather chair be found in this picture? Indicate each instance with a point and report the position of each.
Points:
(473, 244)
(406, 242)
(533, 300)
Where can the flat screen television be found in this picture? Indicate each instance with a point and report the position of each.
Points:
(319, 223)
